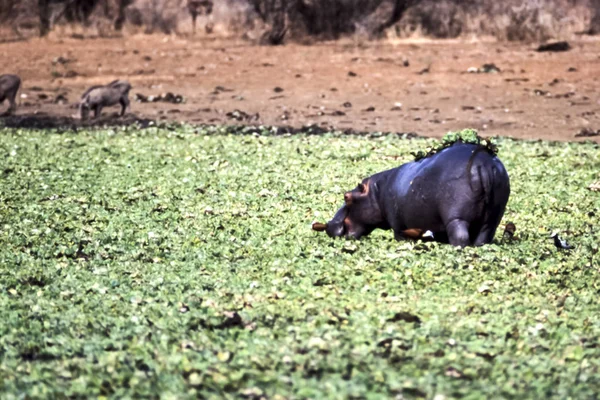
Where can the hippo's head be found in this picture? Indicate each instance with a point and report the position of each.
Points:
(360, 214)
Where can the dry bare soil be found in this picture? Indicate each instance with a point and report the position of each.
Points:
(419, 86)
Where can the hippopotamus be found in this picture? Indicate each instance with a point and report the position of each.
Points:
(457, 195)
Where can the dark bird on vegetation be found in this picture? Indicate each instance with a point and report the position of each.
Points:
(561, 244)
(509, 231)
(427, 235)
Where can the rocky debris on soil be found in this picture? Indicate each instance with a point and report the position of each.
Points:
(424, 70)
(405, 62)
(554, 81)
(347, 104)
(584, 102)
(61, 98)
(277, 89)
(221, 89)
(587, 132)
(240, 115)
(352, 74)
(489, 68)
(143, 72)
(61, 60)
(165, 97)
(397, 106)
(540, 92)
(554, 47)
(564, 95)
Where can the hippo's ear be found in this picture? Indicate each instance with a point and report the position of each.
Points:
(363, 189)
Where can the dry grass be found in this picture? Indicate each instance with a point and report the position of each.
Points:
(512, 20)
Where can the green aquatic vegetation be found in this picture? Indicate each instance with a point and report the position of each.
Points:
(451, 138)
(180, 263)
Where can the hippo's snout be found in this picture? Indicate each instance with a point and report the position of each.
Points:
(335, 229)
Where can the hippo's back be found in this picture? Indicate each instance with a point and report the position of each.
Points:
(462, 160)
(463, 181)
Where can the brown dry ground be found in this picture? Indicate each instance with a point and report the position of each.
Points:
(417, 86)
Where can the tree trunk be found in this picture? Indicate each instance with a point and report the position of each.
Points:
(400, 7)
(44, 11)
(595, 22)
(121, 14)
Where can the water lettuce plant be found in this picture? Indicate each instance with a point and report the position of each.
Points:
(180, 263)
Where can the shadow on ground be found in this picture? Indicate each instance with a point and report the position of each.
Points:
(64, 123)
(45, 121)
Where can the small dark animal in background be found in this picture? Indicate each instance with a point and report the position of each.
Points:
(459, 195)
(509, 231)
(97, 97)
(200, 7)
(9, 86)
(561, 244)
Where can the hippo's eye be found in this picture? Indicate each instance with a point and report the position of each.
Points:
(348, 198)
(361, 188)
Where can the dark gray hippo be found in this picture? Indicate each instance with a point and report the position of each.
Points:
(457, 194)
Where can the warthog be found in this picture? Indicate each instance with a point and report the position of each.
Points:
(97, 97)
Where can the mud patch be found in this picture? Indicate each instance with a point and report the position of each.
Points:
(530, 98)
(44, 121)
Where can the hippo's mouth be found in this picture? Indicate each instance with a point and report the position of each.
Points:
(332, 230)
(338, 226)
(341, 226)
(344, 229)
(338, 230)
